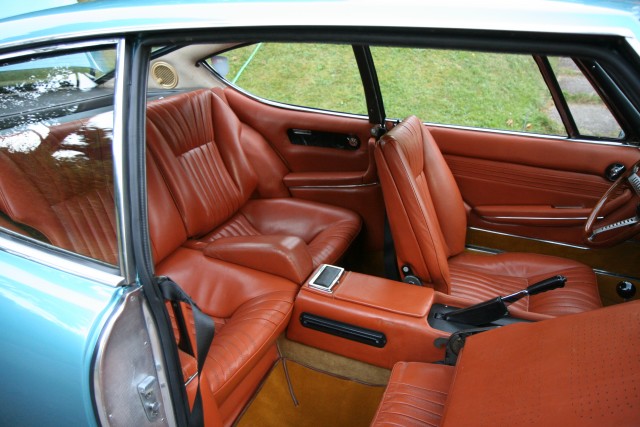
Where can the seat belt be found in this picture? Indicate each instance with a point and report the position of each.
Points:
(390, 263)
(205, 329)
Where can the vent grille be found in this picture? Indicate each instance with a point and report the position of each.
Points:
(165, 75)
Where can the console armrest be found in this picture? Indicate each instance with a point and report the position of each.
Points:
(284, 256)
(386, 295)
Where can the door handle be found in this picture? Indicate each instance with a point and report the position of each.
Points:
(614, 171)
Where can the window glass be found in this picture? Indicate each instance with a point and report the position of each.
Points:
(486, 90)
(56, 163)
(310, 75)
(591, 115)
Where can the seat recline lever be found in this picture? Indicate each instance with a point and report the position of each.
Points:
(491, 310)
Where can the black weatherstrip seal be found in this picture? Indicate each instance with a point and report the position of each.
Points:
(135, 136)
(373, 95)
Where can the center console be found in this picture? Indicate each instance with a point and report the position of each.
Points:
(372, 319)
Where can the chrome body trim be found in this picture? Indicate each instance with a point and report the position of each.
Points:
(543, 218)
(123, 225)
(569, 245)
(115, 383)
(68, 265)
(158, 356)
(530, 134)
(97, 367)
(371, 184)
(57, 47)
(612, 274)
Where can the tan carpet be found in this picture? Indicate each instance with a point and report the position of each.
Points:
(323, 400)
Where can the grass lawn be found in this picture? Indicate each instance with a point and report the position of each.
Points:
(452, 87)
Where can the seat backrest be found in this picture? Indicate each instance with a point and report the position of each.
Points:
(424, 205)
(58, 182)
(195, 140)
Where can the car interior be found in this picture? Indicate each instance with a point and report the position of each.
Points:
(279, 222)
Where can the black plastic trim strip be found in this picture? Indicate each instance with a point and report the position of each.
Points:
(372, 93)
(343, 330)
(616, 101)
(556, 93)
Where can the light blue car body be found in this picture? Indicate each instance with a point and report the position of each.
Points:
(52, 319)
(51, 324)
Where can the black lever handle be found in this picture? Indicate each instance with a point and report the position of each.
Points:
(538, 287)
(493, 309)
(547, 285)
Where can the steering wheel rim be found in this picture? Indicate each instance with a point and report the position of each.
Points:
(624, 232)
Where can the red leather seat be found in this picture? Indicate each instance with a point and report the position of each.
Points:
(195, 139)
(577, 370)
(428, 222)
(250, 308)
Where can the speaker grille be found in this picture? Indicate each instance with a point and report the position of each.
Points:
(165, 75)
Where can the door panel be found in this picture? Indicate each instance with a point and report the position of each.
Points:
(274, 124)
(535, 187)
(342, 177)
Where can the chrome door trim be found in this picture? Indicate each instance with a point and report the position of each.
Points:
(121, 193)
(68, 264)
(500, 233)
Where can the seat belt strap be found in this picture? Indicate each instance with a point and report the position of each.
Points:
(205, 330)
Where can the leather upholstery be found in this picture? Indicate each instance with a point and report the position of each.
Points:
(195, 138)
(60, 183)
(480, 277)
(415, 396)
(250, 308)
(396, 309)
(284, 256)
(428, 221)
(577, 370)
(209, 180)
(516, 171)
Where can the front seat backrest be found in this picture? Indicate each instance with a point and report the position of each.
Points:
(424, 204)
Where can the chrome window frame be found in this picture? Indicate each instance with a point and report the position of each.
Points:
(68, 261)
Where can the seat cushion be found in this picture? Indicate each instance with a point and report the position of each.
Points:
(195, 140)
(479, 277)
(250, 308)
(580, 370)
(415, 395)
(327, 230)
(577, 370)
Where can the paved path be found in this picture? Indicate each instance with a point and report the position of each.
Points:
(591, 115)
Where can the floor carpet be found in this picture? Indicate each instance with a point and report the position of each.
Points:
(323, 400)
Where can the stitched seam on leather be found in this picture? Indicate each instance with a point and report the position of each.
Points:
(392, 147)
(425, 215)
(527, 176)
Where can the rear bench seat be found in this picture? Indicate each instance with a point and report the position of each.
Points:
(195, 139)
(576, 370)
